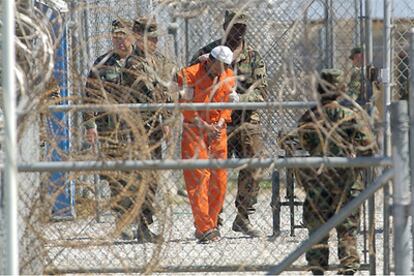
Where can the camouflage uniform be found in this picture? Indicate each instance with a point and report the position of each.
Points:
(355, 81)
(354, 85)
(104, 86)
(332, 130)
(141, 76)
(244, 132)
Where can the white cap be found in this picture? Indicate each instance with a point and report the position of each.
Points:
(223, 54)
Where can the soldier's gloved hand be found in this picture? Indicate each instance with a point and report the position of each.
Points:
(234, 97)
(372, 73)
(203, 58)
(187, 93)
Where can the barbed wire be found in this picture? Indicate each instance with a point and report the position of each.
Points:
(103, 208)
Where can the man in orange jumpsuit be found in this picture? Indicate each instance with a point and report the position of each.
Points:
(204, 136)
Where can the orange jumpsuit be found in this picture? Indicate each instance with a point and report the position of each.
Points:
(206, 188)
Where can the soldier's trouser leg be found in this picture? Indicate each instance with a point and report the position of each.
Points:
(123, 187)
(148, 209)
(249, 145)
(347, 241)
(313, 217)
(120, 184)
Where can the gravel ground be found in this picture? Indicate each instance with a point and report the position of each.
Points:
(70, 247)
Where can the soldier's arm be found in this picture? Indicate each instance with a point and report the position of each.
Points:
(133, 72)
(311, 131)
(91, 87)
(257, 92)
(205, 50)
(308, 136)
(93, 84)
(194, 59)
(354, 85)
(94, 88)
(166, 86)
(260, 76)
(364, 139)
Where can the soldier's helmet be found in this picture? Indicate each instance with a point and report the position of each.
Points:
(330, 78)
(234, 17)
(146, 26)
(119, 26)
(332, 75)
(354, 51)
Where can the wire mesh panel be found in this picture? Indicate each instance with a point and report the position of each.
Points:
(133, 52)
(403, 23)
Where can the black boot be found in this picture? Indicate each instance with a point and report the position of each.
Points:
(219, 221)
(347, 271)
(145, 235)
(317, 272)
(128, 234)
(242, 224)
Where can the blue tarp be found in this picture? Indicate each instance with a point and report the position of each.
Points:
(59, 187)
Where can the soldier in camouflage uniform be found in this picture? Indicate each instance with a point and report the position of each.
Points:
(244, 132)
(116, 139)
(355, 82)
(104, 86)
(146, 76)
(331, 129)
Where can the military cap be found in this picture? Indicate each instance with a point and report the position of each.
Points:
(354, 51)
(235, 17)
(119, 26)
(332, 75)
(146, 25)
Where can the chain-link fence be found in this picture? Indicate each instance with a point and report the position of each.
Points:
(101, 221)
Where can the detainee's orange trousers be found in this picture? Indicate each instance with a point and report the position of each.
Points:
(206, 188)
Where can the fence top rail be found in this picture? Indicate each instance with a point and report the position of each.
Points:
(183, 106)
(128, 165)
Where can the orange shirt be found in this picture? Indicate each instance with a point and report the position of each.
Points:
(207, 90)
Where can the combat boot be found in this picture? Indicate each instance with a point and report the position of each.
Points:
(128, 234)
(220, 221)
(242, 224)
(317, 272)
(347, 271)
(145, 235)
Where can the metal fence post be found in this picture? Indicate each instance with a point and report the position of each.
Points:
(411, 122)
(329, 38)
(10, 164)
(401, 191)
(370, 106)
(386, 77)
(357, 37)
